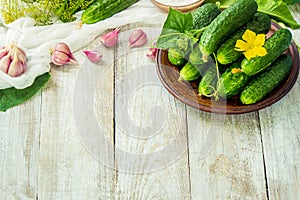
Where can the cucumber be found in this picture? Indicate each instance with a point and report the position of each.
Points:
(189, 72)
(233, 80)
(195, 58)
(260, 23)
(208, 82)
(275, 46)
(263, 84)
(183, 46)
(175, 58)
(103, 9)
(236, 15)
(204, 15)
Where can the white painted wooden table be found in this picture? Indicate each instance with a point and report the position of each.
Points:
(112, 131)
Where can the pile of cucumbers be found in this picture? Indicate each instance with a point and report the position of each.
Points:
(221, 70)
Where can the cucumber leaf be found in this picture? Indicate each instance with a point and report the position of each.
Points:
(11, 97)
(277, 9)
(178, 21)
(174, 28)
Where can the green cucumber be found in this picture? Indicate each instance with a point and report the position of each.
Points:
(103, 9)
(275, 46)
(189, 72)
(183, 46)
(226, 23)
(263, 84)
(175, 58)
(233, 80)
(195, 58)
(204, 15)
(208, 82)
(260, 23)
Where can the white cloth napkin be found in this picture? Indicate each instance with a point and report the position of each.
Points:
(37, 40)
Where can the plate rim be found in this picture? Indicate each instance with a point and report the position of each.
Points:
(183, 8)
(275, 97)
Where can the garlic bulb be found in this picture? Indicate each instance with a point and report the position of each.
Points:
(12, 60)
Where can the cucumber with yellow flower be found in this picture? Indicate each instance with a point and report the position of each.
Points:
(226, 54)
(235, 39)
(273, 48)
(226, 24)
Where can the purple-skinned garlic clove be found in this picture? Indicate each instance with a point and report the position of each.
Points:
(93, 56)
(16, 68)
(110, 39)
(137, 38)
(4, 51)
(62, 55)
(152, 51)
(5, 62)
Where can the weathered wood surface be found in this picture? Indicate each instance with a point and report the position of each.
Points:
(126, 137)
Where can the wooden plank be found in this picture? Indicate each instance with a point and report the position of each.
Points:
(281, 139)
(151, 139)
(69, 166)
(19, 150)
(225, 156)
(281, 142)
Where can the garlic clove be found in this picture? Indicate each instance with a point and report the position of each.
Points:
(5, 62)
(60, 58)
(61, 46)
(3, 52)
(137, 38)
(110, 39)
(62, 55)
(16, 68)
(21, 54)
(93, 56)
(152, 53)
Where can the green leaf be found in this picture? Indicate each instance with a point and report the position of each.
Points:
(11, 97)
(277, 9)
(178, 21)
(175, 26)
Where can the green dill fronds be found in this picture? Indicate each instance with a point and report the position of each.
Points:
(42, 11)
(11, 10)
(85, 3)
(36, 9)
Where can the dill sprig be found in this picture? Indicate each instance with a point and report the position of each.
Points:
(44, 12)
(36, 9)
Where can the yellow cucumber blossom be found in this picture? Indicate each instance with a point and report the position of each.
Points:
(251, 45)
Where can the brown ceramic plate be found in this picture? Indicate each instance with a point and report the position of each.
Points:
(182, 8)
(187, 92)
